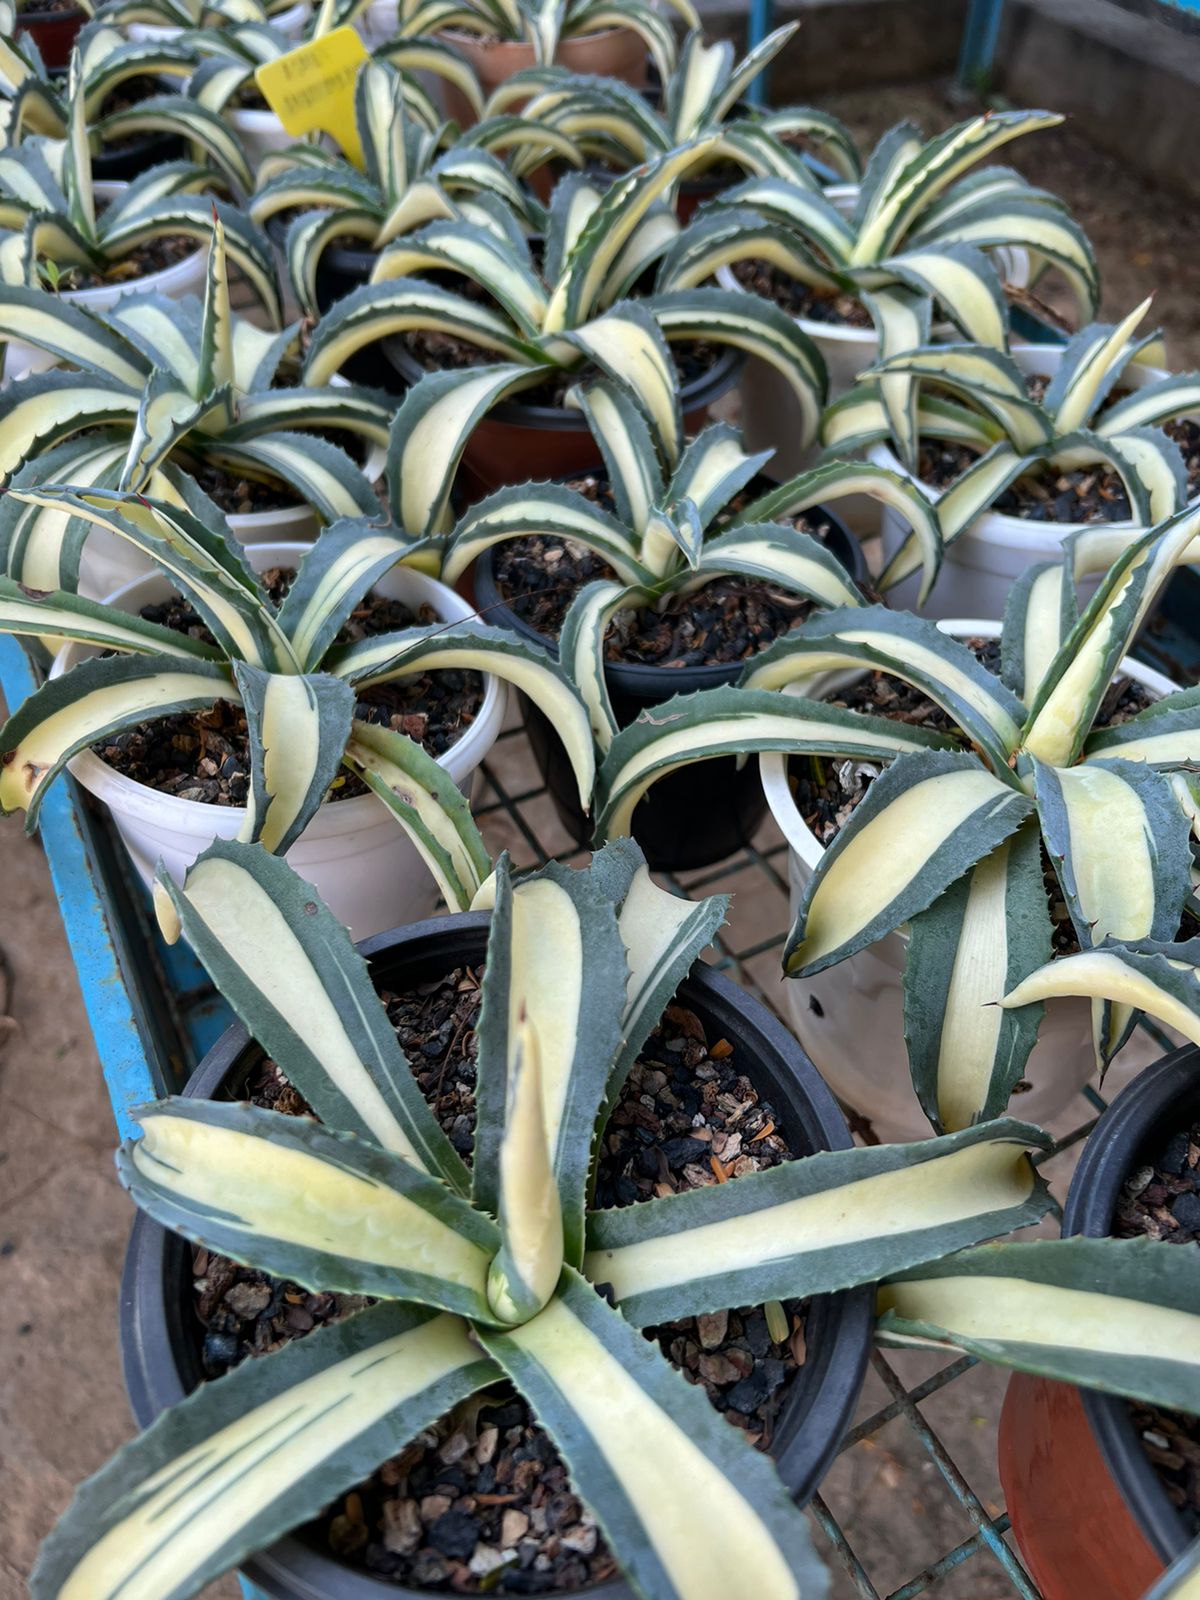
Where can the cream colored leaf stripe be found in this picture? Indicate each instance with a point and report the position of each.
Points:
(827, 1222)
(674, 1488)
(242, 1460)
(925, 821)
(297, 1200)
(556, 961)
(1119, 1315)
(978, 939)
(290, 971)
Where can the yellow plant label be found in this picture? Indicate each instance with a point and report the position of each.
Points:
(311, 89)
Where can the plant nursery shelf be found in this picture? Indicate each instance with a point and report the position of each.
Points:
(154, 1014)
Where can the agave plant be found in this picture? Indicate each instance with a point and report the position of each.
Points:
(566, 314)
(234, 54)
(48, 205)
(488, 1273)
(1076, 423)
(674, 529)
(170, 384)
(297, 686)
(621, 127)
(954, 836)
(914, 241)
(34, 103)
(409, 180)
(543, 25)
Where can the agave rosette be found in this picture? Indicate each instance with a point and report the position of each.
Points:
(917, 239)
(565, 313)
(300, 690)
(488, 1273)
(409, 180)
(172, 386)
(620, 127)
(672, 528)
(979, 397)
(49, 209)
(953, 836)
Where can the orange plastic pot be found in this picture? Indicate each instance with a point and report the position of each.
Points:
(54, 32)
(611, 53)
(1090, 1517)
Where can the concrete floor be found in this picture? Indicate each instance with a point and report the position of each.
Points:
(64, 1219)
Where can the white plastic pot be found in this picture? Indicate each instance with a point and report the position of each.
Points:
(185, 277)
(981, 566)
(850, 1018)
(290, 23)
(353, 852)
(259, 132)
(770, 418)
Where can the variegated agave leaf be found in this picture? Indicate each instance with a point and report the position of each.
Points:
(734, 721)
(307, 1421)
(924, 822)
(772, 1232)
(1118, 1315)
(1181, 1580)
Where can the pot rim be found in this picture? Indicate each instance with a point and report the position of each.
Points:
(294, 1570)
(103, 296)
(643, 679)
(26, 19)
(700, 391)
(1138, 1116)
(494, 42)
(346, 816)
(772, 764)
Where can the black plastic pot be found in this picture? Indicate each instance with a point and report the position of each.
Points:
(1130, 1134)
(519, 443)
(690, 818)
(341, 269)
(158, 1332)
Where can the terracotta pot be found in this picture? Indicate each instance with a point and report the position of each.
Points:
(611, 53)
(158, 1328)
(54, 32)
(518, 443)
(1088, 1510)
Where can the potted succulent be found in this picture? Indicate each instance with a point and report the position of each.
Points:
(497, 38)
(866, 286)
(549, 321)
(1063, 1448)
(117, 77)
(1022, 449)
(286, 688)
(94, 244)
(618, 127)
(1026, 828)
(184, 385)
(657, 577)
(335, 220)
(487, 1273)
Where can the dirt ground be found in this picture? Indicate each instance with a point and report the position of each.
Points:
(64, 1219)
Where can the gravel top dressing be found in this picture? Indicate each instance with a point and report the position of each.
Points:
(727, 620)
(801, 299)
(205, 755)
(1162, 1201)
(482, 1501)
